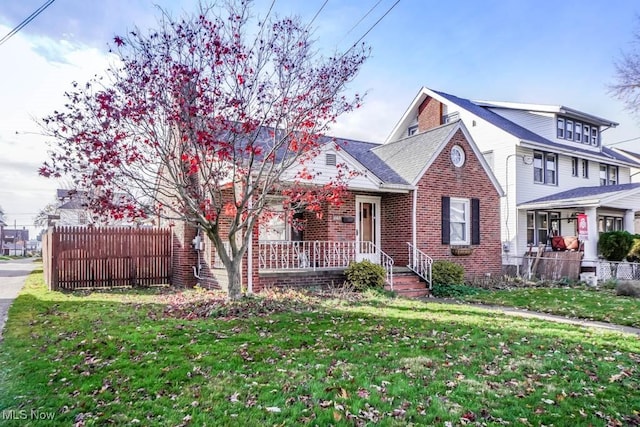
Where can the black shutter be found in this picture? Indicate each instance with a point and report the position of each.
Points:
(475, 221)
(446, 228)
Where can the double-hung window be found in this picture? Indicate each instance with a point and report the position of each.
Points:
(574, 166)
(585, 168)
(545, 168)
(569, 129)
(608, 174)
(561, 128)
(460, 221)
(578, 132)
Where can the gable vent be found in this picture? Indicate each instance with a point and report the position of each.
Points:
(330, 159)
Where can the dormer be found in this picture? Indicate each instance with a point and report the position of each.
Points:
(572, 129)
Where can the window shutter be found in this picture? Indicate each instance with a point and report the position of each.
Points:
(446, 228)
(475, 221)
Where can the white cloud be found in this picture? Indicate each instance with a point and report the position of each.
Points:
(37, 71)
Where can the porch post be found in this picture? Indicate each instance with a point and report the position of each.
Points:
(629, 221)
(591, 246)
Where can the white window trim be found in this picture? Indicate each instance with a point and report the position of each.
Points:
(467, 221)
(544, 168)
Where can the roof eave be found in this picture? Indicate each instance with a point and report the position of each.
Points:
(561, 204)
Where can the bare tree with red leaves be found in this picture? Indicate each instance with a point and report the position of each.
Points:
(199, 121)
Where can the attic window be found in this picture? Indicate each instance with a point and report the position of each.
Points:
(330, 159)
(412, 130)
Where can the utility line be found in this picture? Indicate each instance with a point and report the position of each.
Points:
(373, 26)
(620, 142)
(317, 13)
(362, 19)
(26, 21)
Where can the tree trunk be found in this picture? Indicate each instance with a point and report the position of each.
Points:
(234, 274)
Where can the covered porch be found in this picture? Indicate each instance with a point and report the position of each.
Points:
(323, 247)
(582, 213)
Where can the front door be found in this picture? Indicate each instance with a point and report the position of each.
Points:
(368, 229)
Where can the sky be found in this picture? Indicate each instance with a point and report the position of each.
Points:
(533, 51)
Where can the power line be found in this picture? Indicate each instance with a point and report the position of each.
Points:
(25, 21)
(620, 142)
(373, 26)
(317, 13)
(362, 19)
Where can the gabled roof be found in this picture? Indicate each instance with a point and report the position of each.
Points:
(363, 152)
(409, 156)
(412, 156)
(482, 109)
(586, 196)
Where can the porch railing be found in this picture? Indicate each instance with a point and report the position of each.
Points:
(420, 263)
(319, 254)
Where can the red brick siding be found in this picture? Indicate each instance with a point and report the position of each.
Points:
(184, 257)
(469, 181)
(429, 114)
(325, 278)
(396, 226)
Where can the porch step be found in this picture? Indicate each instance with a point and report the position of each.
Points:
(408, 285)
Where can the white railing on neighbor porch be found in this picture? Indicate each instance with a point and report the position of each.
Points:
(420, 263)
(318, 254)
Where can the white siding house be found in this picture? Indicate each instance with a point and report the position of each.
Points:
(549, 160)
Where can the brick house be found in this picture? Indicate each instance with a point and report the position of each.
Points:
(429, 196)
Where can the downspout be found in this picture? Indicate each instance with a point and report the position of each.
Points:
(250, 255)
(414, 222)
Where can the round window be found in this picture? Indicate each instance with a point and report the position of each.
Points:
(457, 156)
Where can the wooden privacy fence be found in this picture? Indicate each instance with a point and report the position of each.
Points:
(106, 257)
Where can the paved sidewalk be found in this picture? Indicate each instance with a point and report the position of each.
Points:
(511, 311)
(12, 277)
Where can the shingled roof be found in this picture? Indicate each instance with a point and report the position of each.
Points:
(485, 113)
(582, 192)
(410, 155)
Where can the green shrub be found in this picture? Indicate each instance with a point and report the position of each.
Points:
(615, 245)
(447, 273)
(365, 274)
(453, 291)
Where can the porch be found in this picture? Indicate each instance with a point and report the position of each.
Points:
(323, 260)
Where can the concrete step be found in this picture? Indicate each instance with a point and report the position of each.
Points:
(413, 293)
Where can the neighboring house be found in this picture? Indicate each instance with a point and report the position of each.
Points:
(14, 241)
(427, 196)
(72, 209)
(550, 161)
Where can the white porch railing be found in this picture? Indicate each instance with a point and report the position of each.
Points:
(318, 254)
(420, 263)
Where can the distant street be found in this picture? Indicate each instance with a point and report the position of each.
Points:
(12, 277)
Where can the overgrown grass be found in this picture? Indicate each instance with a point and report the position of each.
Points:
(585, 303)
(128, 358)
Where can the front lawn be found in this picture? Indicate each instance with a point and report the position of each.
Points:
(584, 303)
(158, 358)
